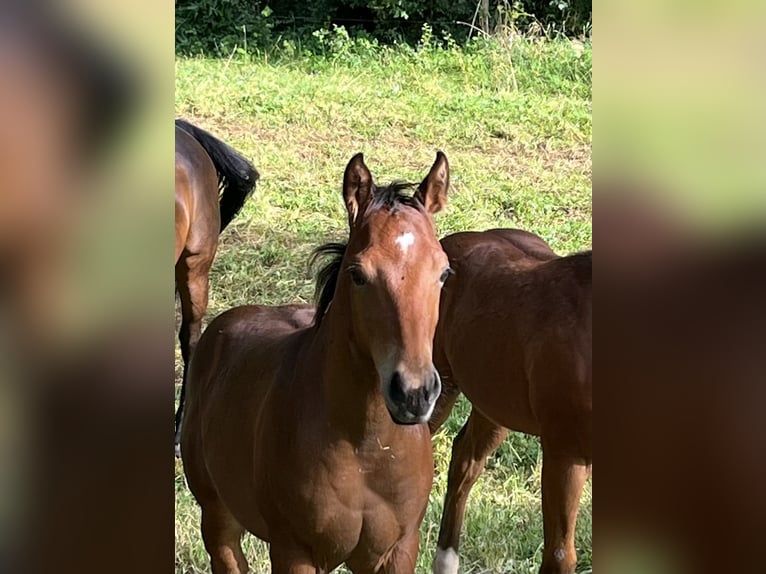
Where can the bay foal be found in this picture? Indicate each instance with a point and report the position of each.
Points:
(514, 336)
(315, 439)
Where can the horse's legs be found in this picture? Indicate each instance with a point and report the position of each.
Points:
(192, 282)
(290, 559)
(398, 559)
(478, 438)
(404, 556)
(222, 534)
(563, 479)
(450, 390)
(445, 402)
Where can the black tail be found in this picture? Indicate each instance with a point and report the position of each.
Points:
(236, 175)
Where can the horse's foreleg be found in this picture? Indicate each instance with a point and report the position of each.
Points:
(289, 558)
(444, 404)
(222, 536)
(450, 390)
(563, 479)
(400, 558)
(478, 438)
(403, 557)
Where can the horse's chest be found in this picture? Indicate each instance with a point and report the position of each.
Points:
(347, 502)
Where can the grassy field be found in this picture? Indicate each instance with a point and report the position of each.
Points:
(515, 122)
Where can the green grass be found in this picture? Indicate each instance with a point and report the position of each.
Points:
(515, 123)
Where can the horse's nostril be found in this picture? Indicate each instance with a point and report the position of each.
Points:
(397, 388)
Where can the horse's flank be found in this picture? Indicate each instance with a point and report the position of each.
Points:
(512, 287)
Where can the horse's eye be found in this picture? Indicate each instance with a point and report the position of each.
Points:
(357, 276)
(444, 275)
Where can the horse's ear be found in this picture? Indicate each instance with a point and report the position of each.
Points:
(357, 187)
(432, 192)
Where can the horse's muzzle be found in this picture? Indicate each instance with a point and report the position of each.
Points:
(412, 401)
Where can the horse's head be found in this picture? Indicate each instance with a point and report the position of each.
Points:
(393, 269)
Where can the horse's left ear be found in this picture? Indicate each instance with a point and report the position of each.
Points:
(432, 192)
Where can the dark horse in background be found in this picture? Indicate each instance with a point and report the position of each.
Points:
(514, 336)
(212, 183)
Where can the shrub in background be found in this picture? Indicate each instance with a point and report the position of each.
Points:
(220, 26)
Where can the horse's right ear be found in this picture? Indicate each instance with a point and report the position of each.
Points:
(357, 187)
(432, 192)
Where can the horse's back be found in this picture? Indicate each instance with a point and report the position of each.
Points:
(508, 245)
(488, 271)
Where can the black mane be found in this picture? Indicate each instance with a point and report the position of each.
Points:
(390, 197)
(327, 275)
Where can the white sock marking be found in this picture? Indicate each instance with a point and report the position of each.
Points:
(446, 561)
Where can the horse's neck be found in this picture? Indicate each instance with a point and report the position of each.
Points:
(351, 388)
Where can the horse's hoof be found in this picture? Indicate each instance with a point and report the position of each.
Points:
(178, 450)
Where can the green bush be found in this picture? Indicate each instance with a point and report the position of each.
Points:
(221, 26)
(218, 26)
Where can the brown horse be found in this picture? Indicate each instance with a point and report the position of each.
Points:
(514, 336)
(205, 168)
(315, 439)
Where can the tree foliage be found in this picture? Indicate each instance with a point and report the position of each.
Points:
(218, 26)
